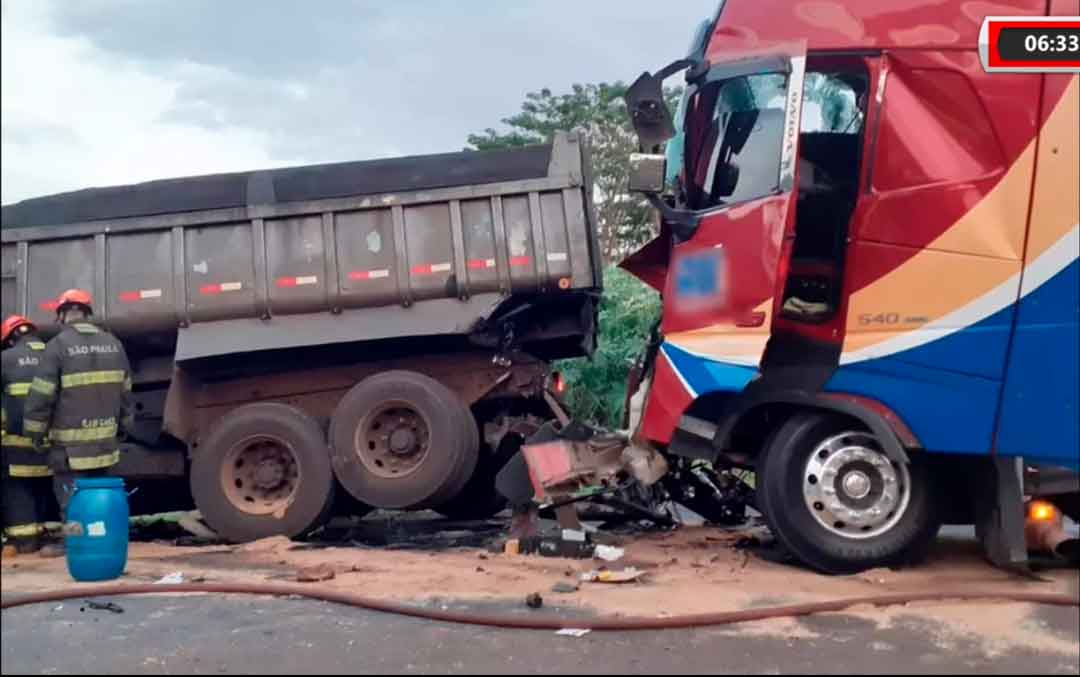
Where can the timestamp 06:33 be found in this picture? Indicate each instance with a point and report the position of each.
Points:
(1030, 44)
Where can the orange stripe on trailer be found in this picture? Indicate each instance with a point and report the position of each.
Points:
(520, 260)
(476, 264)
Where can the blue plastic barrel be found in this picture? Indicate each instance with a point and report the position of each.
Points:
(97, 529)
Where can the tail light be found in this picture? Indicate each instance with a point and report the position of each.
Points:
(1041, 511)
(558, 383)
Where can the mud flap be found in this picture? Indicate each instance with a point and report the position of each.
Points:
(999, 518)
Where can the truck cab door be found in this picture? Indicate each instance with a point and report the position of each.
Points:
(736, 191)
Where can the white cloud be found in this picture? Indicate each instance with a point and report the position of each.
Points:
(74, 116)
(102, 92)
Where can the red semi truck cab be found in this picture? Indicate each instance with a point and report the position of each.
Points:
(868, 263)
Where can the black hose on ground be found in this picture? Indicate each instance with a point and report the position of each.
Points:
(541, 622)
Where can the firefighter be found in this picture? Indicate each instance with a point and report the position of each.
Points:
(25, 469)
(79, 397)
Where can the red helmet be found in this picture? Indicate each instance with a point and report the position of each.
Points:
(74, 296)
(12, 323)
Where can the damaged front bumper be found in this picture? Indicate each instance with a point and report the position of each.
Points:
(562, 464)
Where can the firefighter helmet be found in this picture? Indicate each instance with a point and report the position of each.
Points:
(74, 297)
(12, 323)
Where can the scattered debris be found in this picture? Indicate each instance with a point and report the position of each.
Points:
(576, 546)
(556, 546)
(482, 556)
(608, 553)
(98, 606)
(573, 632)
(192, 523)
(685, 516)
(627, 575)
(479, 570)
(9, 551)
(314, 574)
(274, 544)
(880, 575)
(175, 578)
(534, 601)
(58, 607)
(564, 588)
(747, 542)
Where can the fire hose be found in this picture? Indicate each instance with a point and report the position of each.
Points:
(543, 622)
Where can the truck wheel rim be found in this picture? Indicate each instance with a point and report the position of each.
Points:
(393, 440)
(853, 489)
(260, 475)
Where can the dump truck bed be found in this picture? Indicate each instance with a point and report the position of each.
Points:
(313, 255)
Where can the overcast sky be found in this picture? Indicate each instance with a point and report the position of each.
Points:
(100, 92)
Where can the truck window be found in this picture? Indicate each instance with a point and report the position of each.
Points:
(830, 149)
(734, 132)
(830, 104)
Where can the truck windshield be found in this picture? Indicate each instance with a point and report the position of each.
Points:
(733, 137)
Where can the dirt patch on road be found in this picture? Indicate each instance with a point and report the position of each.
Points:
(688, 571)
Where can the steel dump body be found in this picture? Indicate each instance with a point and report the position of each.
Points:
(313, 255)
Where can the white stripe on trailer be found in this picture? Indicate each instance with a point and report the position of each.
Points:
(557, 256)
(232, 286)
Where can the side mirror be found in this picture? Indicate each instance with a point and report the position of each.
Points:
(647, 173)
(649, 113)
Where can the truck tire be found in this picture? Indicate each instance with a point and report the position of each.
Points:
(833, 498)
(345, 505)
(479, 499)
(458, 483)
(263, 470)
(400, 440)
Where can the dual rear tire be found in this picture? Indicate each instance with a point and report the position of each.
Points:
(397, 439)
(403, 440)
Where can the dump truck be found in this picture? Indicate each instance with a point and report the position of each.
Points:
(868, 263)
(329, 337)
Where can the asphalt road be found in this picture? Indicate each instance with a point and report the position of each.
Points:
(215, 635)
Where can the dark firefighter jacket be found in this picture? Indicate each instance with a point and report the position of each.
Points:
(17, 367)
(80, 395)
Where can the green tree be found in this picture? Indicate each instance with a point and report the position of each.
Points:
(625, 221)
(596, 388)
